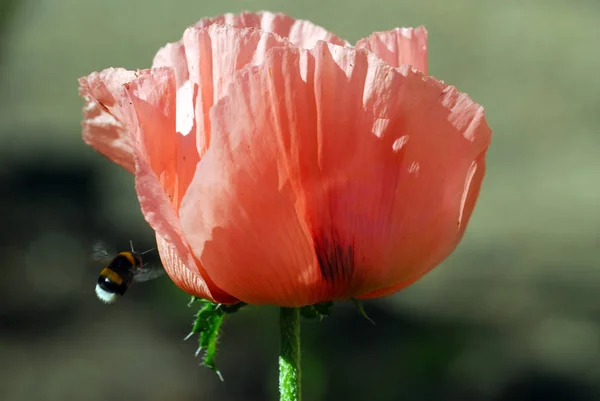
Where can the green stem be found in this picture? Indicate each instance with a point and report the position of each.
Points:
(289, 355)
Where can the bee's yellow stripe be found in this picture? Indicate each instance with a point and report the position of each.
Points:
(129, 257)
(111, 275)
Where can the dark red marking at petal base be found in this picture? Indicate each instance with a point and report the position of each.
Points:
(336, 260)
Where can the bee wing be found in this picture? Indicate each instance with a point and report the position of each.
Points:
(102, 252)
(147, 273)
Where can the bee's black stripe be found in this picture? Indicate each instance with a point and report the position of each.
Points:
(111, 287)
(130, 256)
(118, 275)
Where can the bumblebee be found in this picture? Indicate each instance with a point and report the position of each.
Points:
(121, 271)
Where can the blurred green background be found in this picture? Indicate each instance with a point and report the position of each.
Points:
(513, 314)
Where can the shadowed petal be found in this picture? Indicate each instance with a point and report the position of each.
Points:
(472, 187)
(185, 273)
(469, 197)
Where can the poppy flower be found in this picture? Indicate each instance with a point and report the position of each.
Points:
(280, 165)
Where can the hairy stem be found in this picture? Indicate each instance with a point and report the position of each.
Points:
(289, 355)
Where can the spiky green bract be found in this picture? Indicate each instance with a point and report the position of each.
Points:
(207, 325)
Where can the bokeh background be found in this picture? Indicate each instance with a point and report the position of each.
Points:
(513, 314)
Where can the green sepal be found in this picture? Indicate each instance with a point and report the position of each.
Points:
(194, 299)
(207, 324)
(361, 311)
(317, 311)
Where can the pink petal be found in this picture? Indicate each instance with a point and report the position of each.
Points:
(338, 176)
(140, 107)
(468, 200)
(173, 55)
(242, 168)
(152, 101)
(214, 54)
(165, 162)
(102, 127)
(399, 46)
(301, 33)
(205, 60)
